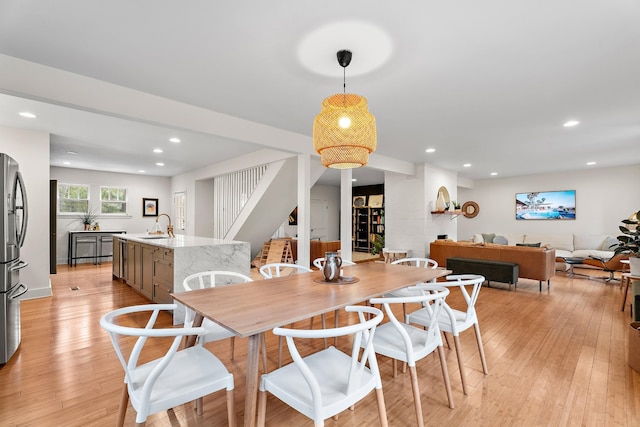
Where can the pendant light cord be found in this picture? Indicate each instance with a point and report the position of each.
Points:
(344, 87)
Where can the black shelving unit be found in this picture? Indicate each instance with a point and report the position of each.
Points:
(367, 223)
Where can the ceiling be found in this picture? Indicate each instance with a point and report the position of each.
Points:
(487, 83)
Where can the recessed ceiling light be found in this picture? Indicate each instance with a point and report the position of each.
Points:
(571, 123)
(159, 164)
(591, 163)
(494, 173)
(430, 150)
(157, 150)
(467, 165)
(174, 140)
(66, 163)
(141, 171)
(353, 180)
(28, 115)
(73, 153)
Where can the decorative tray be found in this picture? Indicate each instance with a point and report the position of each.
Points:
(341, 281)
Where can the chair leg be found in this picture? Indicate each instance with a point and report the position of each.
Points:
(262, 408)
(382, 410)
(124, 402)
(476, 328)
(394, 363)
(231, 408)
(445, 376)
(416, 395)
(463, 376)
(626, 290)
(446, 339)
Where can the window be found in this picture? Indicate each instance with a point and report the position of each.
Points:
(73, 198)
(113, 200)
(180, 201)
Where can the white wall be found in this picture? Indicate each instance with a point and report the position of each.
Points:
(138, 187)
(435, 178)
(326, 193)
(31, 151)
(409, 224)
(604, 196)
(405, 212)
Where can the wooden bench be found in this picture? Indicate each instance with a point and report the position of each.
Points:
(498, 271)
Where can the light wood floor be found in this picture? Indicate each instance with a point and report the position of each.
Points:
(555, 358)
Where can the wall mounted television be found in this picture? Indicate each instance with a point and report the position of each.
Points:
(541, 205)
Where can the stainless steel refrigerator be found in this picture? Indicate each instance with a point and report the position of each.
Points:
(13, 226)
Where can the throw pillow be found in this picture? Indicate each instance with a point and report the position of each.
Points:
(530, 245)
(500, 240)
(488, 238)
(609, 244)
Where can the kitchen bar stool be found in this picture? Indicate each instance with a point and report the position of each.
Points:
(86, 240)
(109, 251)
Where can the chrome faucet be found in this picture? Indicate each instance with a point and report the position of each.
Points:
(169, 227)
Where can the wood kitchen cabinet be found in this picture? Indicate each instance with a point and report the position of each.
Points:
(146, 267)
(133, 270)
(140, 272)
(162, 275)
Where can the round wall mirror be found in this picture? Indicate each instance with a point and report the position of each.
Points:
(470, 209)
(445, 194)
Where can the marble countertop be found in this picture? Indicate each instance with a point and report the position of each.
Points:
(179, 241)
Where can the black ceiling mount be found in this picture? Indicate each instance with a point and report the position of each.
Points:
(344, 58)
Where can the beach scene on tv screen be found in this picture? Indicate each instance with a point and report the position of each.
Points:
(546, 205)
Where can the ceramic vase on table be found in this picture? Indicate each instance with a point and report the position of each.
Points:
(331, 268)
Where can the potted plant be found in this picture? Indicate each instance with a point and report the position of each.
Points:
(377, 244)
(87, 218)
(629, 242)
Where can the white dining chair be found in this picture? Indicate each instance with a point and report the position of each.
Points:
(416, 262)
(319, 263)
(277, 269)
(325, 383)
(178, 377)
(213, 331)
(407, 343)
(456, 321)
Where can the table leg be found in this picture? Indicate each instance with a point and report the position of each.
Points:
(251, 395)
(190, 341)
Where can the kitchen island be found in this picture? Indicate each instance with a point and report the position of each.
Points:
(156, 265)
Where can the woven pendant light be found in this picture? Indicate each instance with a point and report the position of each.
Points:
(344, 133)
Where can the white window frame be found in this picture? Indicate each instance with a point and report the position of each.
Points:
(73, 199)
(125, 201)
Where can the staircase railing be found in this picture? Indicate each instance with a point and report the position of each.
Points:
(230, 193)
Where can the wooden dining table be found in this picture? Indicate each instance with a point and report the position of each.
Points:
(250, 309)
